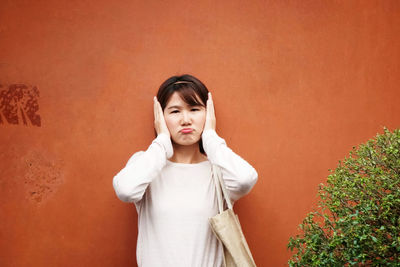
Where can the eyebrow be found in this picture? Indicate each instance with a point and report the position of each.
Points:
(179, 107)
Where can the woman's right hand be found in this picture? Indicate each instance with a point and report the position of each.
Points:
(159, 121)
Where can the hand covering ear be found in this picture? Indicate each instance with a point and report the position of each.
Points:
(210, 115)
(159, 121)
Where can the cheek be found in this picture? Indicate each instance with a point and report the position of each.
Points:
(202, 119)
(169, 121)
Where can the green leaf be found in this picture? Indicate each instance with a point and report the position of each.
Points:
(360, 199)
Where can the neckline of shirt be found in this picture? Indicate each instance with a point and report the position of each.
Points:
(187, 164)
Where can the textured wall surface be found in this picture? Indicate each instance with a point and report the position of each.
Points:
(296, 85)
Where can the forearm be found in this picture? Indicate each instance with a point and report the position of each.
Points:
(142, 168)
(239, 176)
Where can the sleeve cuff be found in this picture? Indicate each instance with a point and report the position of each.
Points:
(210, 139)
(165, 141)
(212, 134)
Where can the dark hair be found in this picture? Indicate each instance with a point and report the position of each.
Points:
(191, 90)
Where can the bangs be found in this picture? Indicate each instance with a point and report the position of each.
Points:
(189, 95)
(192, 91)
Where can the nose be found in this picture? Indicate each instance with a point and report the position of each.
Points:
(186, 119)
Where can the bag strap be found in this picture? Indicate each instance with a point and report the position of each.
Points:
(217, 189)
(220, 184)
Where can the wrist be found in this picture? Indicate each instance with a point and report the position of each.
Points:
(208, 132)
(164, 140)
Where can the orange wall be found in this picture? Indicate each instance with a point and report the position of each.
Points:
(296, 84)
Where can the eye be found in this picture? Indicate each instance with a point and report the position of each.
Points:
(175, 111)
(195, 109)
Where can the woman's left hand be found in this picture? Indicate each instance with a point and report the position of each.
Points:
(210, 114)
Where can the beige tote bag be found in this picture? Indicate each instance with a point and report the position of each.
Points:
(227, 229)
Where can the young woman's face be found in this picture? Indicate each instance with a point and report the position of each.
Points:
(185, 123)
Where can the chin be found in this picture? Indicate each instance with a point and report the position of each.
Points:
(186, 142)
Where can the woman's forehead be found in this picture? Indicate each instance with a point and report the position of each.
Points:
(177, 100)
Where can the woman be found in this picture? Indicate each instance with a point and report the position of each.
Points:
(171, 183)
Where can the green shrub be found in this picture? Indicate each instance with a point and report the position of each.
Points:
(357, 222)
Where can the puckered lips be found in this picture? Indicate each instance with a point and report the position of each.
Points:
(186, 130)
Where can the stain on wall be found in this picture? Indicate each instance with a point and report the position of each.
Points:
(42, 176)
(19, 104)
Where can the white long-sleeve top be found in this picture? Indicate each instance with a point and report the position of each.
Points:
(175, 200)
